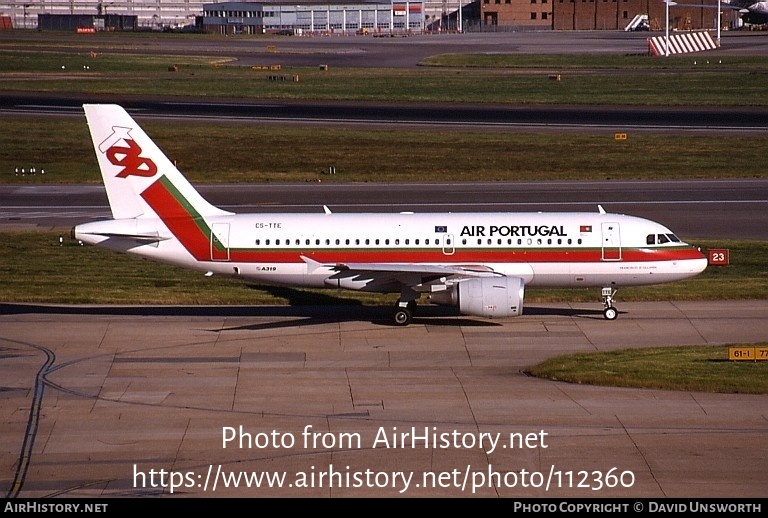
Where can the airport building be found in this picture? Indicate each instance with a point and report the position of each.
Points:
(363, 16)
(315, 17)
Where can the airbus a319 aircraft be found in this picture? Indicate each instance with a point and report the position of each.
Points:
(480, 263)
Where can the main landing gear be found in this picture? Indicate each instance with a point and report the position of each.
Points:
(405, 306)
(610, 312)
(404, 311)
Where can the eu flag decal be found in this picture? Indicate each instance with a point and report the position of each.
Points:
(441, 229)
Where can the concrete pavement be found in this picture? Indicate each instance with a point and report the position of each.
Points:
(213, 402)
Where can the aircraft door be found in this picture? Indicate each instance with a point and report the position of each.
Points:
(611, 242)
(448, 246)
(220, 242)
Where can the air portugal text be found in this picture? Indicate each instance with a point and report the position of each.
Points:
(512, 230)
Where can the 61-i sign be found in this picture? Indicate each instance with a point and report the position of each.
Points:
(748, 353)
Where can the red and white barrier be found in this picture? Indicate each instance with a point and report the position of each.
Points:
(681, 43)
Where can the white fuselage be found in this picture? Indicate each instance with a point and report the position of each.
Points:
(544, 249)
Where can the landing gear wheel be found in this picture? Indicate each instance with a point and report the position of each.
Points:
(405, 307)
(610, 313)
(402, 316)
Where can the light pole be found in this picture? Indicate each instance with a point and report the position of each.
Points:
(666, 38)
(666, 42)
(718, 23)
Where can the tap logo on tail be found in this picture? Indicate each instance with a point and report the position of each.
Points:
(123, 151)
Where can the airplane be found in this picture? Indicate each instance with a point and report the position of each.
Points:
(752, 12)
(480, 263)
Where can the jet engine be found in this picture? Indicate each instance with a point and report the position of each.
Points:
(485, 296)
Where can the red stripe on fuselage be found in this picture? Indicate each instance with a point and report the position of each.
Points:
(470, 256)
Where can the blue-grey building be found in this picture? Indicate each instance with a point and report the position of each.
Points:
(315, 17)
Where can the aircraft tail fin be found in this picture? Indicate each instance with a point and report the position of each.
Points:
(139, 178)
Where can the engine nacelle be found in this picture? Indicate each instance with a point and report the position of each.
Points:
(485, 296)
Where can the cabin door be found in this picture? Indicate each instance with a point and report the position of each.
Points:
(220, 242)
(611, 242)
(448, 246)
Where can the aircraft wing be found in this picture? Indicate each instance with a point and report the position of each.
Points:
(734, 5)
(392, 277)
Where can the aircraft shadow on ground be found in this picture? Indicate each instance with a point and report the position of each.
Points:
(304, 308)
(302, 311)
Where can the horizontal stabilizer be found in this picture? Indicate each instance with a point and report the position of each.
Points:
(137, 237)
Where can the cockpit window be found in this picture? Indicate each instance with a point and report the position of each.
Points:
(660, 239)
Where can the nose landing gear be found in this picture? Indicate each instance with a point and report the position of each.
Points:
(610, 312)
